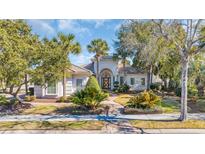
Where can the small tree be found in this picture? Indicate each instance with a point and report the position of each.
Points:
(18, 55)
(93, 83)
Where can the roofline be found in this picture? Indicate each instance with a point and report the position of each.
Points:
(82, 68)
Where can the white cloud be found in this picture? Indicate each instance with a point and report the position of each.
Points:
(97, 22)
(81, 59)
(71, 25)
(117, 27)
(43, 26)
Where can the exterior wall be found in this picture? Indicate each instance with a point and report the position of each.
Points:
(113, 67)
(38, 91)
(137, 85)
(41, 92)
(108, 64)
(74, 81)
(156, 79)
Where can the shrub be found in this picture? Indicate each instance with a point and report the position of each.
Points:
(144, 100)
(64, 99)
(93, 83)
(192, 91)
(3, 100)
(116, 85)
(123, 88)
(89, 98)
(8, 104)
(178, 91)
(156, 86)
(13, 102)
(173, 85)
(30, 98)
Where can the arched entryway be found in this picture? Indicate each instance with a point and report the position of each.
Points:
(106, 76)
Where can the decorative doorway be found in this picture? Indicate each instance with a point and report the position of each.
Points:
(106, 75)
(106, 82)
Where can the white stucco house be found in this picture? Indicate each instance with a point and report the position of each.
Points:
(109, 71)
(76, 81)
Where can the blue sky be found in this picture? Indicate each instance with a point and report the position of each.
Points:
(84, 30)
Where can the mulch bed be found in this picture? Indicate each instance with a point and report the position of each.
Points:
(14, 109)
(141, 111)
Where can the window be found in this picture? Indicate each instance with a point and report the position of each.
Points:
(143, 81)
(121, 80)
(113, 79)
(79, 84)
(132, 81)
(51, 89)
(69, 87)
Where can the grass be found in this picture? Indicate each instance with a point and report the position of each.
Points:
(169, 104)
(53, 125)
(190, 124)
(41, 109)
(71, 109)
(200, 105)
(123, 99)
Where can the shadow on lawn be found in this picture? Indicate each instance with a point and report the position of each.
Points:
(77, 110)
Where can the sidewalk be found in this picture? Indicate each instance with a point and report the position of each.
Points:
(194, 116)
(138, 131)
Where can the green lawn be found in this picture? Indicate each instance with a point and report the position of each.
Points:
(53, 125)
(41, 109)
(170, 104)
(54, 109)
(190, 124)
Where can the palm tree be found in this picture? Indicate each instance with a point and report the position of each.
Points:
(100, 48)
(67, 45)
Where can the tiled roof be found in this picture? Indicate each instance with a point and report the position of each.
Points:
(90, 67)
(79, 70)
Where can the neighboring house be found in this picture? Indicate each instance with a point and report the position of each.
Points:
(77, 81)
(109, 71)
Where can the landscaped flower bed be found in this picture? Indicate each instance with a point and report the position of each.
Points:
(143, 103)
(11, 106)
(156, 110)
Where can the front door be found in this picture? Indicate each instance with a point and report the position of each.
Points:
(106, 82)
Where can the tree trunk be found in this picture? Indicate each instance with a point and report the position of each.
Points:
(17, 91)
(149, 77)
(125, 80)
(16, 94)
(184, 80)
(97, 73)
(166, 84)
(64, 83)
(11, 89)
(26, 83)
